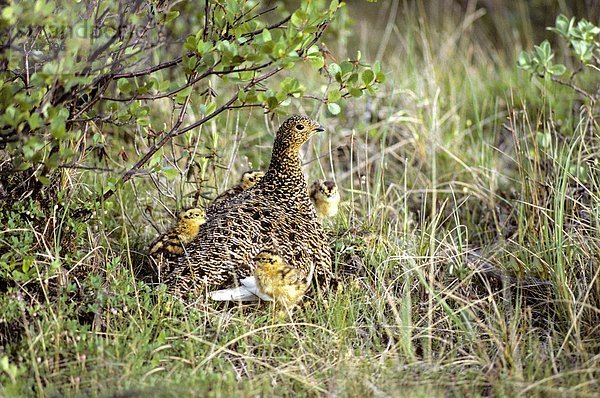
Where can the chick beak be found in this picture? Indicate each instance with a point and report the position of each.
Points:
(319, 129)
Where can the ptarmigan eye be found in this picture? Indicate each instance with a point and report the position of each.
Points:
(299, 127)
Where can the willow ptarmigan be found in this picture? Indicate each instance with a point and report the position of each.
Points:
(275, 214)
(166, 248)
(325, 198)
(273, 280)
(248, 179)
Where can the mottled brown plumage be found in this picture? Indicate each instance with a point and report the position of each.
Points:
(247, 180)
(325, 197)
(275, 214)
(165, 249)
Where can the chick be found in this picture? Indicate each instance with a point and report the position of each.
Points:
(273, 280)
(285, 284)
(325, 197)
(248, 179)
(171, 244)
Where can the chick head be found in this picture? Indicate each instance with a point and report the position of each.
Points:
(193, 216)
(250, 178)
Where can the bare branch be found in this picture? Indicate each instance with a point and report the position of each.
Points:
(574, 87)
(207, 73)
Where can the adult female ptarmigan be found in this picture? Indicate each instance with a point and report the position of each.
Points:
(275, 214)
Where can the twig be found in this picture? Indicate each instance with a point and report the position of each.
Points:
(572, 86)
(269, 27)
(207, 73)
(228, 105)
(147, 71)
(174, 132)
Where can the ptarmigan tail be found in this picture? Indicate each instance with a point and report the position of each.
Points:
(248, 291)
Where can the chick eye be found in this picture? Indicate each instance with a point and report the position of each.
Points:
(299, 127)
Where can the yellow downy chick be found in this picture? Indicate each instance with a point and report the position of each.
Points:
(273, 280)
(172, 243)
(285, 284)
(325, 197)
(187, 228)
(248, 179)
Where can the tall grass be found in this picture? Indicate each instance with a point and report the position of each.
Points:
(468, 243)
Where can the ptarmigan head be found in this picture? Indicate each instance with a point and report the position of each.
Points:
(295, 131)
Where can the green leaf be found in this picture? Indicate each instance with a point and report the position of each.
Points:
(266, 36)
(170, 172)
(346, 67)
(367, 77)
(45, 181)
(546, 48)
(544, 53)
(34, 121)
(333, 108)
(190, 43)
(333, 6)
(557, 69)
(562, 25)
(272, 102)
(524, 61)
(299, 18)
(210, 108)
(317, 62)
(241, 95)
(182, 95)
(155, 159)
(334, 96)
(124, 86)
(355, 92)
(352, 79)
(4, 363)
(27, 263)
(334, 69)
(583, 50)
(171, 15)
(201, 47)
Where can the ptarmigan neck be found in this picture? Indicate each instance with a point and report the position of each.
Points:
(285, 170)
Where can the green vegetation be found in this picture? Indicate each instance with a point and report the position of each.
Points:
(469, 231)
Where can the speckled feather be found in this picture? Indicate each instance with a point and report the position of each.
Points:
(274, 214)
(166, 248)
(247, 180)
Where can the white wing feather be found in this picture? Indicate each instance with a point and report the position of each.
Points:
(247, 292)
